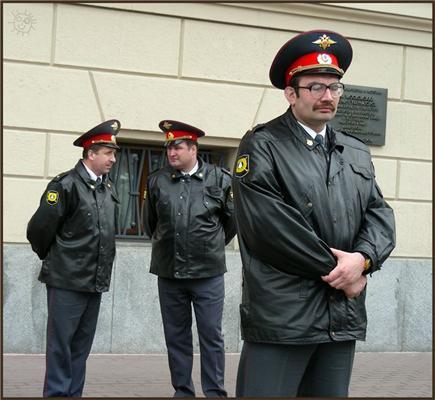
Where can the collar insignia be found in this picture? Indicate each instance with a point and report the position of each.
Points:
(310, 142)
(324, 42)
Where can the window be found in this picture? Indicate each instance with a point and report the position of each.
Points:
(129, 175)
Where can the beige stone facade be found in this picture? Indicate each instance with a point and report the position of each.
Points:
(70, 66)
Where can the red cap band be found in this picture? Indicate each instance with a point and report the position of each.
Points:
(103, 138)
(310, 61)
(175, 135)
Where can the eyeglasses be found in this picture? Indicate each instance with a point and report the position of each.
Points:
(317, 90)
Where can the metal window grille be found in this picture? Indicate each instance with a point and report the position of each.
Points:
(129, 175)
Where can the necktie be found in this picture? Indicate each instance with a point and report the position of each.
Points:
(319, 139)
(98, 181)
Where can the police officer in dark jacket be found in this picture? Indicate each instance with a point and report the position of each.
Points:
(73, 232)
(312, 223)
(189, 216)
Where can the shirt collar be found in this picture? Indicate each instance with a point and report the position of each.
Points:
(192, 171)
(92, 173)
(312, 132)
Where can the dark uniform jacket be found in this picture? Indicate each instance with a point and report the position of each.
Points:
(292, 205)
(190, 220)
(73, 232)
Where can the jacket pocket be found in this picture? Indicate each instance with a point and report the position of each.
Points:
(164, 207)
(303, 289)
(245, 317)
(305, 205)
(362, 171)
(45, 268)
(356, 312)
(212, 199)
(362, 180)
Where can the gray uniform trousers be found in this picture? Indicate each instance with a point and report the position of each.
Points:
(280, 370)
(207, 296)
(71, 325)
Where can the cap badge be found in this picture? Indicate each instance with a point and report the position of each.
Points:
(167, 125)
(170, 136)
(324, 42)
(114, 125)
(324, 59)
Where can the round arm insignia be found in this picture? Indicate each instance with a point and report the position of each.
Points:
(242, 166)
(52, 197)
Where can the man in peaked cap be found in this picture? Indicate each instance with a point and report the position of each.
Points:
(73, 233)
(177, 132)
(189, 216)
(312, 223)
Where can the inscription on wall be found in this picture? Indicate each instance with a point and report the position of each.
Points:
(362, 112)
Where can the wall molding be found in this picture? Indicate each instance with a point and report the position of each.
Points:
(354, 23)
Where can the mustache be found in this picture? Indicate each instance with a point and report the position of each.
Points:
(325, 105)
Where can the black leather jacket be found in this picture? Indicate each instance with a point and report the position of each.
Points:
(73, 232)
(292, 205)
(190, 220)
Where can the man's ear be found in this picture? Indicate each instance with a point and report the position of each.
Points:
(290, 95)
(91, 155)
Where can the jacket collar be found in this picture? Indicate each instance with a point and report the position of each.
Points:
(81, 171)
(299, 132)
(199, 174)
(334, 142)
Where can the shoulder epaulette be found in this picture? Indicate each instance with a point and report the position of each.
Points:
(226, 171)
(59, 177)
(255, 128)
(155, 172)
(353, 136)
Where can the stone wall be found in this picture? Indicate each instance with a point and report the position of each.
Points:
(399, 303)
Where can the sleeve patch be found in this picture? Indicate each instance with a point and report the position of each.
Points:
(242, 166)
(52, 197)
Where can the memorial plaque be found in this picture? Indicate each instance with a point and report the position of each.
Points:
(362, 112)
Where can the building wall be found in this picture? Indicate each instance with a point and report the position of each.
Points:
(68, 67)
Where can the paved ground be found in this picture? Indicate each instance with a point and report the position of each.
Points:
(374, 375)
